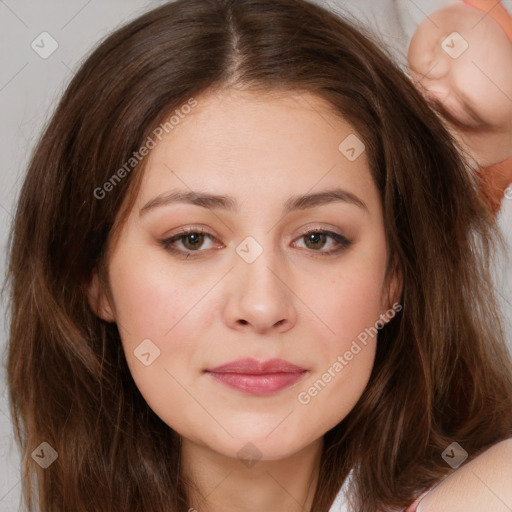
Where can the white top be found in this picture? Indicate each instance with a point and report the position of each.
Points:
(340, 503)
(504, 266)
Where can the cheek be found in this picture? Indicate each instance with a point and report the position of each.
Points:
(353, 297)
(349, 310)
(337, 305)
(345, 360)
(152, 293)
(333, 393)
(350, 305)
(147, 303)
(156, 312)
(160, 301)
(486, 73)
(157, 315)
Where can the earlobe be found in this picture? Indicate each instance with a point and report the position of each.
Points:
(98, 300)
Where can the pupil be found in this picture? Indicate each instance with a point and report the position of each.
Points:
(315, 238)
(194, 238)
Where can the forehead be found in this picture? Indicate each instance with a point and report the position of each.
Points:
(255, 144)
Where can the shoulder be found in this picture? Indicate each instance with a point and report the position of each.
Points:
(484, 483)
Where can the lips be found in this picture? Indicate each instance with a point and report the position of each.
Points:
(255, 367)
(258, 378)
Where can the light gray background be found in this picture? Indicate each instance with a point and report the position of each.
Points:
(30, 86)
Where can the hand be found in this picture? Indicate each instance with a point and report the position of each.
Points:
(473, 90)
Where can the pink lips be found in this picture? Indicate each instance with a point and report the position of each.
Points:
(258, 378)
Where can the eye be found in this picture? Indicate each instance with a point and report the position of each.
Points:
(316, 241)
(192, 241)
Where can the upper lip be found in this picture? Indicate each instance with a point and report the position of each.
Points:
(253, 366)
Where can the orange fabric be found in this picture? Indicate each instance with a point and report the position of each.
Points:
(493, 182)
(496, 11)
(494, 179)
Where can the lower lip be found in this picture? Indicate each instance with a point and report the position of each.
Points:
(263, 384)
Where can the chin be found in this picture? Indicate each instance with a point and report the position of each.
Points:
(276, 446)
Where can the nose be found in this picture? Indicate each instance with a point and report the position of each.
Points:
(260, 296)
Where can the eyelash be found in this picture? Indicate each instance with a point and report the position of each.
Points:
(343, 242)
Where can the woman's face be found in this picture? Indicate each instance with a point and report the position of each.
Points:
(461, 59)
(253, 285)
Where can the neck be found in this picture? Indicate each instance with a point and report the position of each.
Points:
(224, 484)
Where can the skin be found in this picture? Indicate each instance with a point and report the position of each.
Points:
(213, 307)
(291, 302)
(482, 484)
(474, 90)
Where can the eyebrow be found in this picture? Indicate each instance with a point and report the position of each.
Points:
(214, 201)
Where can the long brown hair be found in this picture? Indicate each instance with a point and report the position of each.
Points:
(442, 372)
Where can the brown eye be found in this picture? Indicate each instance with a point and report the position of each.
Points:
(315, 240)
(187, 242)
(318, 240)
(192, 241)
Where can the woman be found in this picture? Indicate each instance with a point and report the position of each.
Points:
(248, 266)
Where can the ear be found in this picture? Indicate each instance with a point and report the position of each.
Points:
(392, 292)
(98, 299)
